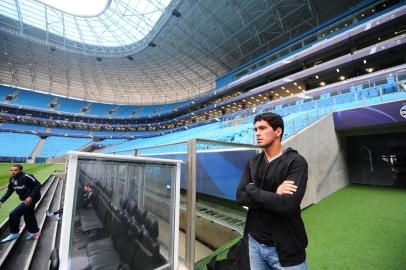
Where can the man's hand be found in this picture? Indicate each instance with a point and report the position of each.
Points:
(28, 201)
(287, 187)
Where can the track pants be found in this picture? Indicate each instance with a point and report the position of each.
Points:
(29, 218)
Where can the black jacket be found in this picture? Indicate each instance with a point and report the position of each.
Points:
(274, 219)
(25, 185)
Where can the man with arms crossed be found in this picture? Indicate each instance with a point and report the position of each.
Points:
(28, 190)
(272, 187)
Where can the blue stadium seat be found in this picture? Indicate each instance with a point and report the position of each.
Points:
(57, 146)
(17, 145)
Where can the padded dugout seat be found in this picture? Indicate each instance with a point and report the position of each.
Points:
(150, 237)
(147, 255)
(115, 224)
(103, 253)
(89, 220)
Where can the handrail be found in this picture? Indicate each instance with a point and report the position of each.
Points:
(198, 141)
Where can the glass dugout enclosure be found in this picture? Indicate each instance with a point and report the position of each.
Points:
(120, 211)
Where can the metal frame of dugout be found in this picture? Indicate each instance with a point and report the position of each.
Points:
(117, 180)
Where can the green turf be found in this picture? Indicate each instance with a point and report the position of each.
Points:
(221, 254)
(40, 171)
(357, 227)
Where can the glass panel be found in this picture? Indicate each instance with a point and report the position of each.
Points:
(133, 183)
(123, 214)
(157, 200)
(216, 208)
(176, 151)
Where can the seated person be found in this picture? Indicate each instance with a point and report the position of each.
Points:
(87, 197)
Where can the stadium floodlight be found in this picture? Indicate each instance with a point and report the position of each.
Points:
(176, 13)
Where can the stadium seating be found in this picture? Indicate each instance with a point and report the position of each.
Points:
(296, 117)
(57, 146)
(236, 127)
(17, 145)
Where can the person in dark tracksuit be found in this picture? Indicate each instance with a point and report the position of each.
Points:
(272, 187)
(27, 188)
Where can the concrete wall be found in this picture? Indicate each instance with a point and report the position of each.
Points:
(61, 159)
(325, 154)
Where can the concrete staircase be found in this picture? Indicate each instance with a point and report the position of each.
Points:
(36, 150)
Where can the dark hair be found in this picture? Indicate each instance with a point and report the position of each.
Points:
(88, 184)
(19, 166)
(273, 119)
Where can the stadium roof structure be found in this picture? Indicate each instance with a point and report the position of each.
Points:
(111, 28)
(145, 51)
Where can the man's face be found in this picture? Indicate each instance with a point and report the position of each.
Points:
(14, 171)
(266, 135)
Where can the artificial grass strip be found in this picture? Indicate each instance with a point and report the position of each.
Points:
(358, 227)
(221, 254)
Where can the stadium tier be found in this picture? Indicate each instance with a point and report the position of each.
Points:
(235, 127)
(21, 127)
(37, 100)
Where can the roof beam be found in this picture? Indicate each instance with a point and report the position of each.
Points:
(20, 17)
